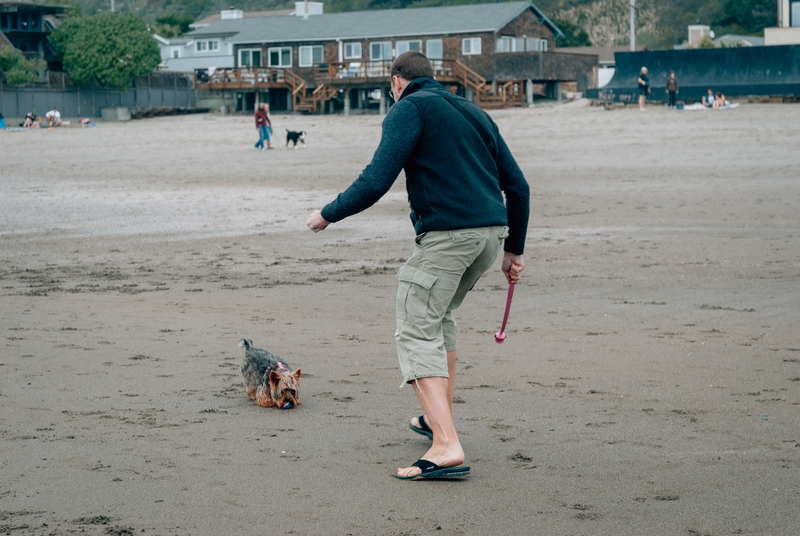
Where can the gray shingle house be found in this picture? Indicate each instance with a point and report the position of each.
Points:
(493, 53)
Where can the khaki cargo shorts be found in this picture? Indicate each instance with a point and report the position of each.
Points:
(433, 282)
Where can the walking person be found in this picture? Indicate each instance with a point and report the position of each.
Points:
(644, 87)
(672, 89)
(469, 200)
(263, 126)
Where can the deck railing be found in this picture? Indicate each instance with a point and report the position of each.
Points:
(242, 77)
(342, 72)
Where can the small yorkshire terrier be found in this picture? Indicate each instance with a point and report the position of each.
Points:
(268, 379)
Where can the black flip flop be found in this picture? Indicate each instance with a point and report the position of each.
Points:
(423, 428)
(431, 471)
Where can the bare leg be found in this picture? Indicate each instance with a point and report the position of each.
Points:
(446, 450)
(451, 384)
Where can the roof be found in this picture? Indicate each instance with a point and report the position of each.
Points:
(28, 4)
(738, 40)
(386, 23)
(248, 15)
(604, 54)
(172, 41)
(4, 42)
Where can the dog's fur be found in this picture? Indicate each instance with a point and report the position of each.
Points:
(268, 379)
(295, 136)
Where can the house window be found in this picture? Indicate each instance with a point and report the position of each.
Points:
(405, 46)
(434, 49)
(210, 45)
(471, 46)
(176, 53)
(309, 56)
(533, 44)
(280, 57)
(352, 51)
(795, 14)
(504, 45)
(250, 57)
(381, 50)
(507, 44)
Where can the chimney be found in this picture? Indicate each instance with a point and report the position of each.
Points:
(305, 9)
(226, 14)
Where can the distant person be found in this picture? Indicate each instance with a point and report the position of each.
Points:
(30, 119)
(672, 89)
(708, 100)
(719, 101)
(263, 125)
(644, 87)
(2, 122)
(53, 117)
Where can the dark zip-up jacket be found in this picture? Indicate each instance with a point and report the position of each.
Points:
(452, 178)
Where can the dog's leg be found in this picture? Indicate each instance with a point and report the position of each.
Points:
(262, 397)
(251, 392)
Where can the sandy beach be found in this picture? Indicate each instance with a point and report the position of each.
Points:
(649, 384)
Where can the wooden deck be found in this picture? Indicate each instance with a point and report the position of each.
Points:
(329, 78)
(339, 74)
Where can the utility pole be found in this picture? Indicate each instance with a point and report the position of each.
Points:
(633, 25)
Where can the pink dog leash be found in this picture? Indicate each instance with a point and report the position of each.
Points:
(501, 335)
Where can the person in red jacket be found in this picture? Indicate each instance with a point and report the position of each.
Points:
(263, 126)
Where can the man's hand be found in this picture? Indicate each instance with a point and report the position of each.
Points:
(316, 222)
(512, 267)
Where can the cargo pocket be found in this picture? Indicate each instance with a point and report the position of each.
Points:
(413, 294)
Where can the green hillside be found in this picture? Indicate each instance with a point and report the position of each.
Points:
(660, 23)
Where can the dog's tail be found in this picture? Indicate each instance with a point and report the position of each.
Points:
(246, 344)
(287, 130)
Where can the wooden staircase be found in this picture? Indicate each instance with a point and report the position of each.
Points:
(297, 86)
(507, 95)
(311, 103)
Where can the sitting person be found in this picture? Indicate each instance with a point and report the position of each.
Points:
(720, 101)
(708, 100)
(30, 119)
(53, 117)
(86, 122)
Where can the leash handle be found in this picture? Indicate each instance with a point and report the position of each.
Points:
(508, 306)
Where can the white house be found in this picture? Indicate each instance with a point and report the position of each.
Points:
(788, 30)
(214, 50)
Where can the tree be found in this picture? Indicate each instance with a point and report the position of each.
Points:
(18, 68)
(173, 25)
(108, 48)
(574, 35)
(752, 16)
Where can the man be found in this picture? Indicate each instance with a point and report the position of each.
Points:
(672, 89)
(455, 182)
(53, 117)
(708, 100)
(644, 87)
